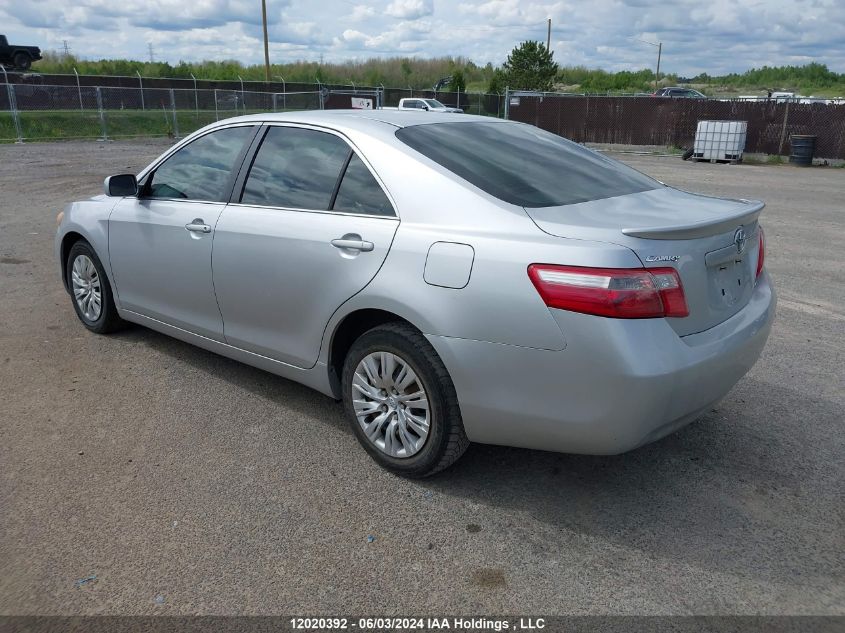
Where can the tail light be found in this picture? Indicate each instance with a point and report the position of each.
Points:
(761, 253)
(622, 293)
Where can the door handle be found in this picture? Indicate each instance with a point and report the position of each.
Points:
(198, 226)
(353, 245)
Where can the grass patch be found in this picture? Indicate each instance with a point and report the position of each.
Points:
(774, 159)
(76, 124)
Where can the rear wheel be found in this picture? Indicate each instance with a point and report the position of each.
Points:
(90, 291)
(22, 61)
(401, 402)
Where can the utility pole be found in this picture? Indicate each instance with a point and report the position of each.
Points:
(657, 74)
(150, 49)
(65, 49)
(266, 42)
(549, 36)
(659, 46)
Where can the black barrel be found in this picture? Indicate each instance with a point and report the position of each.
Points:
(802, 148)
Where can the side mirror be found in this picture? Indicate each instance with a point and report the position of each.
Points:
(425, 107)
(121, 185)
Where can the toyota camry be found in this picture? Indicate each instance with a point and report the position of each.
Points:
(452, 280)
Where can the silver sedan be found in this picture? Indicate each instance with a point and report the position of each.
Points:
(450, 280)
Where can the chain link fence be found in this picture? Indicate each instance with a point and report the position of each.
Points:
(48, 112)
(671, 122)
(53, 107)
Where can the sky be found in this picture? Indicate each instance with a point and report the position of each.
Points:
(714, 36)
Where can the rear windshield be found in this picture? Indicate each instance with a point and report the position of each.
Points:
(524, 165)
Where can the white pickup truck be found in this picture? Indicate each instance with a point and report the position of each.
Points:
(431, 105)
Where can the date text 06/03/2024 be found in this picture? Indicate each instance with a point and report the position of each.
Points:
(410, 623)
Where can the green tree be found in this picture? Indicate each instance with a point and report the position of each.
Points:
(458, 83)
(497, 82)
(406, 70)
(530, 66)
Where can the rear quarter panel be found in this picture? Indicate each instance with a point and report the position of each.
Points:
(499, 303)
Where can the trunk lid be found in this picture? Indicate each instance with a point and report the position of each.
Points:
(712, 242)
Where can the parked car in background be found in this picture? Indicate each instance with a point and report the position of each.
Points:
(451, 279)
(18, 55)
(675, 91)
(429, 105)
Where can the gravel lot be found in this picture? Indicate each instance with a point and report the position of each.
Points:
(187, 483)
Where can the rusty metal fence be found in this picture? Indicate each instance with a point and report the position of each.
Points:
(672, 122)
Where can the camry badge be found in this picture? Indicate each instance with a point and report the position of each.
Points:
(739, 239)
(663, 258)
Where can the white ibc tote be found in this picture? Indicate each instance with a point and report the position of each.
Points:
(720, 140)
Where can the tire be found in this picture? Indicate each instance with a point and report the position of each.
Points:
(688, 153)
(445, 440)
(91, 276)
(22, 61)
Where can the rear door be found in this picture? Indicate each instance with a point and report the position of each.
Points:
(160, 242)
(310, 227)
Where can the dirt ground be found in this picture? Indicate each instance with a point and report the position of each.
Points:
(141, 475)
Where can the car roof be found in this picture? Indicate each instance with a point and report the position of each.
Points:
(363, 120)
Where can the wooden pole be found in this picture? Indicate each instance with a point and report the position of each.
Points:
(266, 43)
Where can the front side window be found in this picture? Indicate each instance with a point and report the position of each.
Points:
(360, 193)
(295, 168)
(434, 103)
(201, 170)
(522, 164)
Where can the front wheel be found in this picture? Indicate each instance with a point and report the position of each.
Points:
(401, 402)
(89, 288)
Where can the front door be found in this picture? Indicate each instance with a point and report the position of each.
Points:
(160, 242)
(312, 228)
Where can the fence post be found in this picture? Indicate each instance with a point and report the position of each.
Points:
(79, 90)
(507, 102)
(141, 83)
(175, 118)
(13, 106)
(102, 114)
(783, 129)
(216, 114)
(196, 98)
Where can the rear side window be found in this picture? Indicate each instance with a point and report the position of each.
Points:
(201, 169)
(295, 168)
(360, 193)
(524, 165)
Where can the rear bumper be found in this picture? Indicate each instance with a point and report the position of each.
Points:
(617, 385)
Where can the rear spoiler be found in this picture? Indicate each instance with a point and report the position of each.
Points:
(705, 228)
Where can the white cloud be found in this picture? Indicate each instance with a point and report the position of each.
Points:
(717, 36)
(362, 12)
(410, 9)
